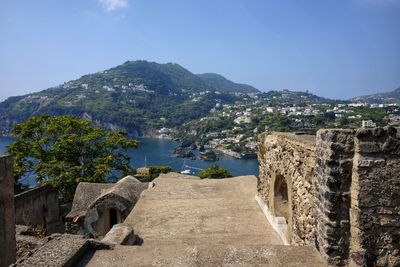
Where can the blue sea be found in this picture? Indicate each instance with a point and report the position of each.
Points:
(159, 152)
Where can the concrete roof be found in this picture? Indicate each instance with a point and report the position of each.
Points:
(175, 175)
(175, 254)
(128, 188)
(61, 250)
(88, 194)
(209, 222)
(85, 195)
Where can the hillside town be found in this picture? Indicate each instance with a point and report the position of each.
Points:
(233, 128)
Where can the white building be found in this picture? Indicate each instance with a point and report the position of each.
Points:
(270, 109)
(368, 124)
(164, 130)
(242, 119)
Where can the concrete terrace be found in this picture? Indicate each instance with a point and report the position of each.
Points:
(185, 221)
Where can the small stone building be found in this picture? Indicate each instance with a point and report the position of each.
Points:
(98, 206)
(338, 190)
(39, 207)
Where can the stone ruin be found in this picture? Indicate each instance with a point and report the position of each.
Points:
(338, 190)
(97, 207)
(39, 207)
(7, 217)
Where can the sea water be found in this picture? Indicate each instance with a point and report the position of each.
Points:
(153, 151)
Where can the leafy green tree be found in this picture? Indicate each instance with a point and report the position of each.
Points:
(65, 150)
(155, 170)
(214, 171)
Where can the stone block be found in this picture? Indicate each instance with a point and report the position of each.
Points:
(389, 220)
(120, 234)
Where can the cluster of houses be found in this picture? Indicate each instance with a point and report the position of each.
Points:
(250, 109)
(127, 88)
(244, 113)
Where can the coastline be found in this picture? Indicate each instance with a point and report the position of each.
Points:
(228, 152)
(159, 152)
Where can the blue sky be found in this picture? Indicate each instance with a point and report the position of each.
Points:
(333, 48)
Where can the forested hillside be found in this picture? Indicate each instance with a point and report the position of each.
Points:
(137, 96)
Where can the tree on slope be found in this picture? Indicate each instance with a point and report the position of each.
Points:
(64, 150)
(214, 171)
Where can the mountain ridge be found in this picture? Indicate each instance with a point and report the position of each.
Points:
(384, 97)
(222, 84)
(136, 95)
(141, 96)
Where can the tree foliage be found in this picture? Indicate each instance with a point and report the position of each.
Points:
(214, 171)
(155, 170)
(64, 151)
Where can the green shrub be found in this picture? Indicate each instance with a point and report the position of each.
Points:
(214, 171)
(155, 170)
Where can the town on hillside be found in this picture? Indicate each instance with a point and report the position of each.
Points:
(233, 128)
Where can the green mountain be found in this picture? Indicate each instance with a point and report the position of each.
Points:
(137, 96)
(388, 97)
(295, 98)
(221, 84)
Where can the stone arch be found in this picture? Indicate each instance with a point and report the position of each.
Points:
(280, 203)
(281, 197)
(107, 210)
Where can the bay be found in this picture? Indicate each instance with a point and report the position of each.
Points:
(159, 152)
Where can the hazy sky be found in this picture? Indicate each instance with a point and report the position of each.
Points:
(333, 48)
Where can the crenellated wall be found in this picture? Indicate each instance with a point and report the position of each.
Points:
(343, 192)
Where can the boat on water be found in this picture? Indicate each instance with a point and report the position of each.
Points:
(185, 169)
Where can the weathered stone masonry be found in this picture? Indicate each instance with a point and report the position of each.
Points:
(342, 192)
(375, 198)
(39, 206)
(7, 225)
(335, 152)
(288, 161)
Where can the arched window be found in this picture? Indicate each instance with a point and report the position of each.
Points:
(281, 200)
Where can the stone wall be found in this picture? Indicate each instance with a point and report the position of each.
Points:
(343, 192)
(7, 225)
(375, 198)
(286, 158)
(335, 152)
(39, 206)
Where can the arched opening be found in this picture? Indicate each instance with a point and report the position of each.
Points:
(113, 217)
(281, 199)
